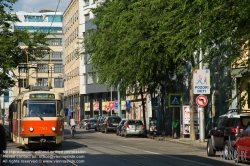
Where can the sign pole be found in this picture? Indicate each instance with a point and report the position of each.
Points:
(202, 124)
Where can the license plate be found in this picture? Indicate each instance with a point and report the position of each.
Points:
(115, 124)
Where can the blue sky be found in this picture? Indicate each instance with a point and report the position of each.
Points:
(37, 5)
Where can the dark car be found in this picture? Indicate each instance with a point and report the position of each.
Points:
(119, 127)
(242, 146)
(110, 123)
(91, 124)
(224, 132)
(3, 142)
(99, 123)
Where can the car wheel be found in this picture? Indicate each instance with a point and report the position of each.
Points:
(106, 131)
(210, 150)
(227, 151)
(95, 129)
(125, 135)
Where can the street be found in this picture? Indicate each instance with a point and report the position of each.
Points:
(92, 148)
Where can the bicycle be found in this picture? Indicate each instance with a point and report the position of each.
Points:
(73, 131)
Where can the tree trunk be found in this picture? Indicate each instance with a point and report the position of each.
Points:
(192, 131)
(143, 110)
(163, 111)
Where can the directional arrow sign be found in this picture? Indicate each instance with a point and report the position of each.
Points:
(174, 100)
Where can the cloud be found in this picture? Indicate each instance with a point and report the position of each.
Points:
(37, 5)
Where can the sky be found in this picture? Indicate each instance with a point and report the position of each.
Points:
(37, 5)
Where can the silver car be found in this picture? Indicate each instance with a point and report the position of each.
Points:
(133, 127)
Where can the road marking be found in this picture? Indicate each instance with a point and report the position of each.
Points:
(177, 158)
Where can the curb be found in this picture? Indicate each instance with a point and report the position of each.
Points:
(177, 140)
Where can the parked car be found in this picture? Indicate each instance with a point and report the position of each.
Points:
(99, 123)
(83, 123)
(3, 142)
(224, 132)
(242, 146)
(119, 127)
(110, 123)
(91, 124)
(133, 127)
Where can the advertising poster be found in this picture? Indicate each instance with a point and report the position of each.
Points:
(96, 106)
(186, 119)
(87, 106)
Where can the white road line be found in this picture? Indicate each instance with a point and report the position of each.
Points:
(177, 158)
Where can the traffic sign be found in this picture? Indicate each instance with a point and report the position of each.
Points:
(201, 81)
(174, 100)
(116, 105)
(201, 100)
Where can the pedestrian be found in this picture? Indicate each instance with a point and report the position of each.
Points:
(72, 124)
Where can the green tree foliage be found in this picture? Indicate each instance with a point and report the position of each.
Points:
(149, 42)
(11, 54)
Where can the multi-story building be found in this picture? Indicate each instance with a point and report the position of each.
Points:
(84, 97)
(51, 66)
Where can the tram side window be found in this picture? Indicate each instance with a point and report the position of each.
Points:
(24, 110)
(59, 108)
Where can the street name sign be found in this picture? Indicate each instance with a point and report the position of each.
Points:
(201, 82)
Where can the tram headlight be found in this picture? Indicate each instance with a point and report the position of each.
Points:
(53, 129)
(31, 129)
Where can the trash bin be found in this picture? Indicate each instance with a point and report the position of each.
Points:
(175, 124)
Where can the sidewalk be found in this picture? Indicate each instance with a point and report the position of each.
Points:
(186, 141)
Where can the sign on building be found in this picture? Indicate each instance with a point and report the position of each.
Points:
(201, 81)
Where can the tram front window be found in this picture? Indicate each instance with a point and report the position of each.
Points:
(42, 109)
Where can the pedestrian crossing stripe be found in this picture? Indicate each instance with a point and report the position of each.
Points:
(175, 101)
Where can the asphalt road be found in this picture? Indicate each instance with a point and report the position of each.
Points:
(90, 148)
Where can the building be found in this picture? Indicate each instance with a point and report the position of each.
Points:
(43, 21)
(84, 97)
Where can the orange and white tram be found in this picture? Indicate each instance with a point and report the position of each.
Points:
(36, 118)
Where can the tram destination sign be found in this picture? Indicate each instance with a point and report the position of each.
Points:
(201, 81)
(42, 96)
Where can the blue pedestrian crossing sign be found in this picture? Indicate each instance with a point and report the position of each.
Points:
(174, 100)
(116, 105)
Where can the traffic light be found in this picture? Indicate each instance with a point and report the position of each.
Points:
(6, 95)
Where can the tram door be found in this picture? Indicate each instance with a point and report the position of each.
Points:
(19, 140)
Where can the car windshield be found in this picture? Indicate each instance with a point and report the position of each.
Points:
(93, 121)
(114, 120)
(134, 122)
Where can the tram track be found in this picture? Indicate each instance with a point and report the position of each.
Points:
(158, 160)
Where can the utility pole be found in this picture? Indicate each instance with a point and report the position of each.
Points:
(111, 100)
(119, 101)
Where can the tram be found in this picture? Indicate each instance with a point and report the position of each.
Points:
(36, 117)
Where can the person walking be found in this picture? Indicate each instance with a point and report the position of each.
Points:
(72, 126)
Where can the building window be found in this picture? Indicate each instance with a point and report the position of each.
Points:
(58, 82)
(22, 68)
(55, 42)
(21, 83)
(56, 55)
(42, 82)
(87, 18)
(58, 68)
(89, 78)
(42, 68)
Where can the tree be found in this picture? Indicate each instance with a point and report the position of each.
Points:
(11, 54)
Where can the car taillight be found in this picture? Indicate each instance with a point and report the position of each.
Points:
(107, 124)
(127, 126)
(143, 126)
(235, 130)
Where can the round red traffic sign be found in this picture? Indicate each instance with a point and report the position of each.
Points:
(201, 100)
